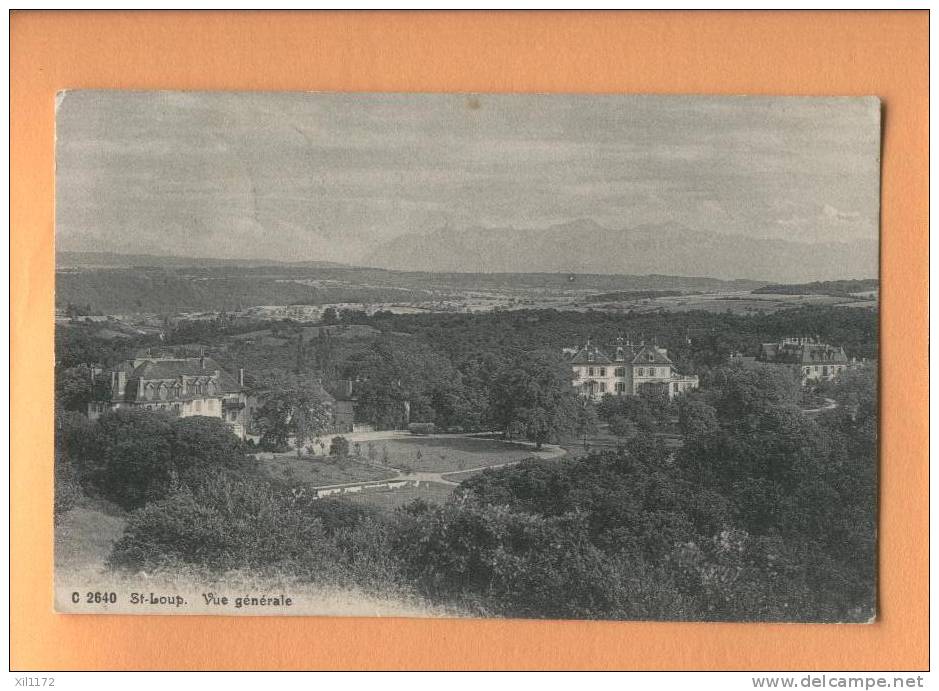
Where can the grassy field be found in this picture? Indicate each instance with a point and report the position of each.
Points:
(321, 471)
(84, 537)
(389, 500)
(447, 454)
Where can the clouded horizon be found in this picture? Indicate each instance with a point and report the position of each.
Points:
(315, 176)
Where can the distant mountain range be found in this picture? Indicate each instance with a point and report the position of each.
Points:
(584, 246)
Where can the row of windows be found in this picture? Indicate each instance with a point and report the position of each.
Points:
(621, 372)
(824, 369)
(196, 406)
(601, 387)
(163, 391)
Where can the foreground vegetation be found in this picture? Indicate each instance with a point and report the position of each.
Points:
(764, 513)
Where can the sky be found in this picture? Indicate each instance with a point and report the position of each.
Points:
(316, 176)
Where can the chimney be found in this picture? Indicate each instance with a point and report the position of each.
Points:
(241, 377)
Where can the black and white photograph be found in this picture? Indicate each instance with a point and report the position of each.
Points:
(605, 357)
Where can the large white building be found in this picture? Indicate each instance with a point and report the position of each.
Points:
(624, 369)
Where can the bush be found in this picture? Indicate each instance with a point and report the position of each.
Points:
(133, 456)
(229, 523)
(224, 523)
(511, 563)
(339, 447)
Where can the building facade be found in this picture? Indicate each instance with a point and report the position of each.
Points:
(179, 386)
(811, 360)
(624, 369)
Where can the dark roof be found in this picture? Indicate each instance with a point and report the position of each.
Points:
(650, 355)
(637, 355)
(164, 369)
(802, 354)
(590, 355)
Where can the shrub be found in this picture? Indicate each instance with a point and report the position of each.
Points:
(132, 457)
(339, 447)
(511, 563)
(223, 523)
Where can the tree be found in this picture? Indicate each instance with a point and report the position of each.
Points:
(132, 457)
(697, 419)
(634, 409)
(533, 398)
(74, 388)
(292, 406)
(339, 447)
(200, 442)
(585, 421)
(622, 427)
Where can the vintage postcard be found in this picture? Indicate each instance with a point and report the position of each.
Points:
(467, 355)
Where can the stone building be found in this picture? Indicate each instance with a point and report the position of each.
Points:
(179, 386)
(624, 369)
(811, 360)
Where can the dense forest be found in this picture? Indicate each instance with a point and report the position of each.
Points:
(445, 365)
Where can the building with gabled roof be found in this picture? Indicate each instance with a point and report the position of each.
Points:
(812, 360)
(625, 369)
(179, 386)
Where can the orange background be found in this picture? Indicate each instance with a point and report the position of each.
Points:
(812, 53)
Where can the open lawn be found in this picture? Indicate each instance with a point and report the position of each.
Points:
(389, 500)
(441, 454)
(84, 537)
(322, 471)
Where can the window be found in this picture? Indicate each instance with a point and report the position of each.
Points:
(602, 387)
(640, 372)
(620, 371)
(603, 371)
(198, 406)
(590, 371)
(675, 387)
(620, 387)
